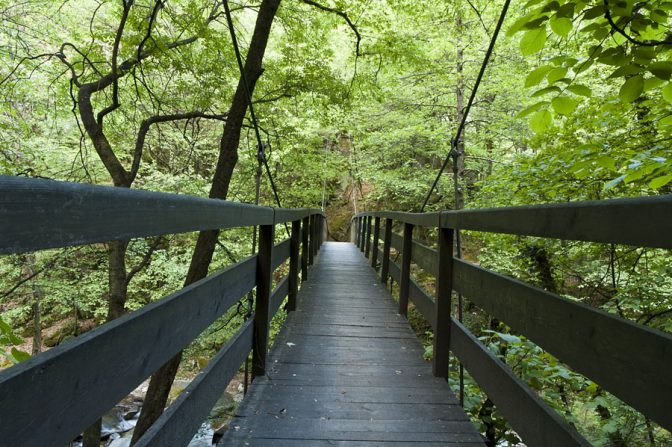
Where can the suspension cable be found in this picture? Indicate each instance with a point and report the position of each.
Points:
(460, 130)
(260, 145)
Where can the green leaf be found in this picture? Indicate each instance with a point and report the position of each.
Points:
(20, 356)
(626, 70)
(556, 74)
(541, 121)
(533, 41)
(632, 89)
(561, 26)
(659, 182)
(537, 75)
(546, 90)
(661, 69)
(564, 105)
(580, 90)
(533, 108)
(667, 93)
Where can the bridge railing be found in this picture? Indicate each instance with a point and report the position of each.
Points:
(51, 398)
(629, 360)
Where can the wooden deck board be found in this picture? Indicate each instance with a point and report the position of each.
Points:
(347, 370)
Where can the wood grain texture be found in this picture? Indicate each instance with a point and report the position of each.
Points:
(534, 421)
(37, 214)
(278, 296)
(346, 369)
(629, 360)
(178, 424)
(281, 252)
(643, 222)
(54, 396)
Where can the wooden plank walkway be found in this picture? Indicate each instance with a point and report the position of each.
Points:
(347, 370)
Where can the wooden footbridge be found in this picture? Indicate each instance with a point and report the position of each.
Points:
(346, 369)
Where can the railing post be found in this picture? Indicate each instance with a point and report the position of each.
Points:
(387, 242)
(304, 249)
(360, 236)
(294, 261)
(262, 301)
(311, 244)
(362, 245)
(324, 230)
(314, 243)
(367, 244)
(444, 291)
(374, 245)
(405, 283)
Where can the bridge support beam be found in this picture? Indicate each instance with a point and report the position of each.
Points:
(294, 261)
(304, 249)
(444, 288)
(387, 243)
(405, 283)
(374, 246)
(263, 298)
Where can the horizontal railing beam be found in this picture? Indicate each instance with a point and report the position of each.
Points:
(278, 296)
(417, 219)
(283, 215)
(57, 394)
(280, 253)
(528, 414)
(641, 221)
(178, 424)
(37, 214)
(627, 359)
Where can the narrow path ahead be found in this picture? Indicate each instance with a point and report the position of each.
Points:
(347, 370)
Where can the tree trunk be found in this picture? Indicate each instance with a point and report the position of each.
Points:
(162, 379)
(118, 286)
(28, 272)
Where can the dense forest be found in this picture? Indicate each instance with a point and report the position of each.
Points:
(358, 103)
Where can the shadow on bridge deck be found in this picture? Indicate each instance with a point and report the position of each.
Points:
(347, 370)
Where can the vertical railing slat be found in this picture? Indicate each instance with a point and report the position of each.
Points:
(263, 297)
(374, 248)
(294, 261)
(387, 243)
(444, 290)
(404, 284)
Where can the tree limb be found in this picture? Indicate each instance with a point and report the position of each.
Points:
(345, 17)
(115, 55)
(146, 260)
(621, 31)
(147, 123)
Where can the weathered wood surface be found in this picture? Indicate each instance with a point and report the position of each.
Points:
(629, 360)
(347, 370)
(641, 221)
(36, 214)
(51, 398)
(178, 424)
(534, 421)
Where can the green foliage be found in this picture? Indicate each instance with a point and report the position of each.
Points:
(8, 342)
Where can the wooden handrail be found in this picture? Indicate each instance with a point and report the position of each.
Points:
(37, 214)
(627, 359)
(642, 222)
(54, 396)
